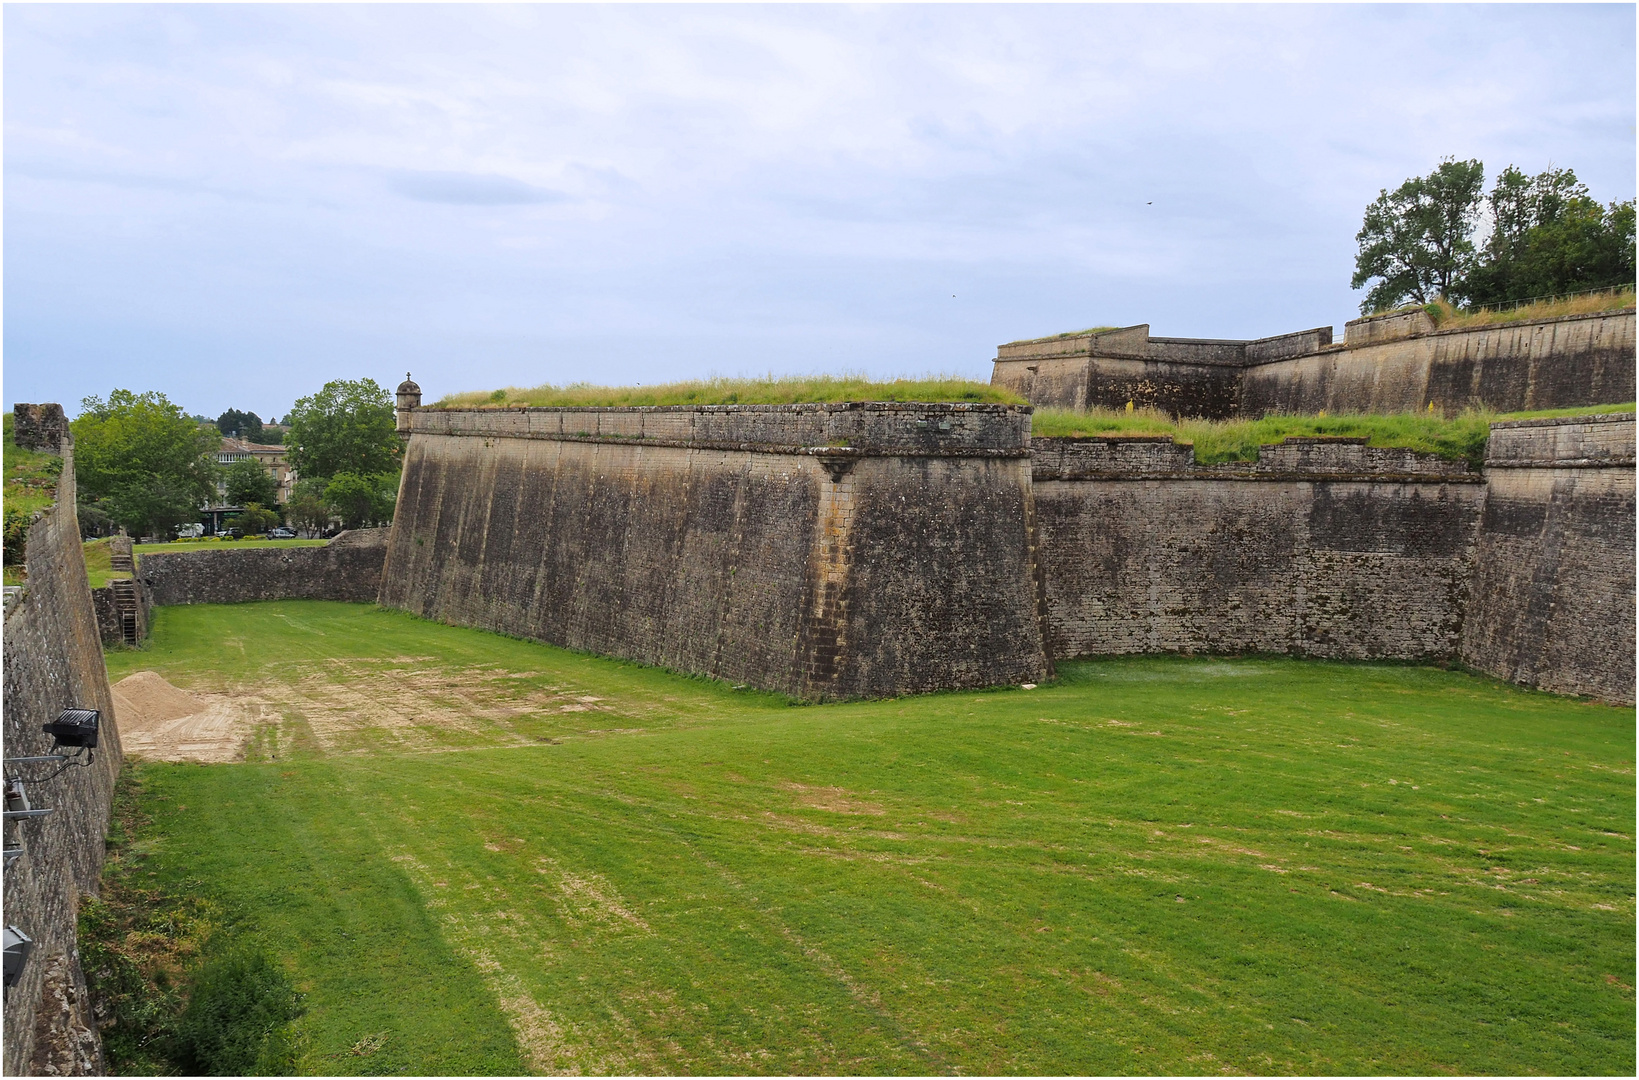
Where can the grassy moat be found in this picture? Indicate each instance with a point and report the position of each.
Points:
(475, 854)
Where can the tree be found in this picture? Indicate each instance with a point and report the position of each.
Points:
(248, 482)
(255, 518)
(243, 425)
(1416, 240)
(348, 426)
(1549, 237)
(143, 460)
(362, 500)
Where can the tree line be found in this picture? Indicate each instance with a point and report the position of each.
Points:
(142, 463)
(1442, 237)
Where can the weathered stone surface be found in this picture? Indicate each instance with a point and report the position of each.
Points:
(1552, 603)
(823, 551)
(347, 568)
(1387, 364)
(1323, 548)
(39, 427)
(53, 660)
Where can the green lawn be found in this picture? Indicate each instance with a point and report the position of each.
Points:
(486, 855)
(197, 545)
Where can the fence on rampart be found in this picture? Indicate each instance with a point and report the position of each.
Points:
(53, 660)
(1399, 362)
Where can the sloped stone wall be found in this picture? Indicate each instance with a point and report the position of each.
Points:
(823, 551)
(1324, 548)
(1387, 364)
(53, 660)
(1553, 589)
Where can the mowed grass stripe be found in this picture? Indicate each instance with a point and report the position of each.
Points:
(1157, 865)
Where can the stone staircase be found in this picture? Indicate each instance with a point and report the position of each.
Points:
(125, 600)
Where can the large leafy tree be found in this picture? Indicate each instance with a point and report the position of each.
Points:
(244, 425)
(1549, 237)
(248, 482)
(142, 460)
(348, 426)
(362, 500)
(1415, 242)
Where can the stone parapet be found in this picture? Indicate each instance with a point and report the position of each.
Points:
(1570, 442)
(848, 428)
(347, 568)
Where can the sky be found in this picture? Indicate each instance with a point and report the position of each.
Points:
(235, 204)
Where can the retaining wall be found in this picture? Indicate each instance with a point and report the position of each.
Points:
(822, 551)
(53, 660)
(1323, 548)
(1387, 363)
(1553, 589)
(347, 568)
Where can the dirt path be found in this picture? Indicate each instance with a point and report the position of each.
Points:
(160, 722)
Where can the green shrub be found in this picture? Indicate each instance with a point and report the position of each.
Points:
(238, 1021)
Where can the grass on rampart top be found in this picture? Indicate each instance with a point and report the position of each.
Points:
(99, 564)
(1449, 317)
(476, 854)
(1457, 438)
(30, 486)
(772, 390)
(212, 543)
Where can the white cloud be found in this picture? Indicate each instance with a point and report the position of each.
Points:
(220, 201)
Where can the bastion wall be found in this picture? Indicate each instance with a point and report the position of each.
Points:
(823, 551)
(1331, 548)
(1322, 547)
(1553, 586)
(1386, 363)
(53, 660)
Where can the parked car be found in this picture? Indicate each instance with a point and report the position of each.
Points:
(281, 533)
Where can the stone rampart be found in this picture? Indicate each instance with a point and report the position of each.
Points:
(1322, 548)
(1387, 363)
(1552, 602)
(823, 551)
(53, 660)
(347, 568)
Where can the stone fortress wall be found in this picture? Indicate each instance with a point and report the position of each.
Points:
(1323, 548)
(1552, 594)
(823, 551)
(347, 568)
(1386, 363)
(53, 660)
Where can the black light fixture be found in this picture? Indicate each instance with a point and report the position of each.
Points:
(18, 946)
(75, 727)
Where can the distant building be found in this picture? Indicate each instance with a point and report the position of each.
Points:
(271, 457)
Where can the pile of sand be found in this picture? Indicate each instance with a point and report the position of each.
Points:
(157, 720)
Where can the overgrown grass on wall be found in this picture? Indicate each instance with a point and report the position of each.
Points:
(1449, 317)
(771, 390)
(30, 487)
(1457, 438)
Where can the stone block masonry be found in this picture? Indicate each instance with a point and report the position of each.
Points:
(1322, 548)
(347, 568)
(1552, 602)
(53, 660)
(1386, 364)
(823, 551)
